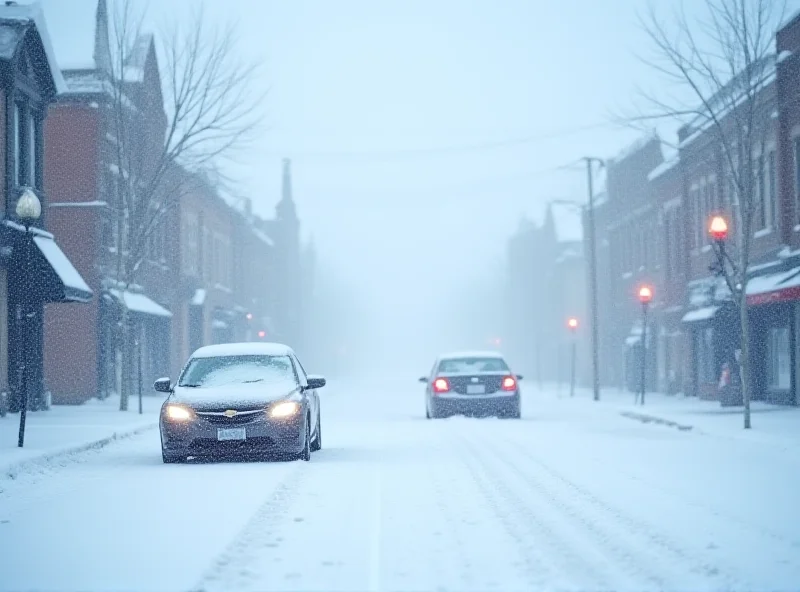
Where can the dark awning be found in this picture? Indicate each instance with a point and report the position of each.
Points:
(62, 282)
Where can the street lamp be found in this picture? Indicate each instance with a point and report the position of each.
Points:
(572, 324)
(592, 273)
(645, 298)
(28, 210)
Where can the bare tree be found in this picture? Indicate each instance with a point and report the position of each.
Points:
(209, 112)
(719, 72)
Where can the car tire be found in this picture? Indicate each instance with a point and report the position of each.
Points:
(316, 443)
(305, 454)
(427, 412)
(514, 413)
(170, 459)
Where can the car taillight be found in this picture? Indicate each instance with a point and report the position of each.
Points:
(441, 385)
(509, 383)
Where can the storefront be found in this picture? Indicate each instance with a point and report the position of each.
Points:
(36, 273)
(772, 303)
(711, 324)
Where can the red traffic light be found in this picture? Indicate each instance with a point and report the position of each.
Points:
(572, 323)
(645, 294)
(262, 334)
(718, 228)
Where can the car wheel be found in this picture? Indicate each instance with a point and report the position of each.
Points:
(316, 444)
(427, 412)
(170, 458)
(514, 412)
(305, 454)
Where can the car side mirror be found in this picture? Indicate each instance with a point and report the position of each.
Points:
(316, 382)
(519, 377)
(424, 379)
(162, 385)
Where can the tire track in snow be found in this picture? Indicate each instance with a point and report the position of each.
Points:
(573, 499)
(544, 546)
(232, 569)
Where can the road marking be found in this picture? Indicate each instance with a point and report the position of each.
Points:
(375, 534)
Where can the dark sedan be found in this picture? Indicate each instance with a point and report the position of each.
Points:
(241, 399)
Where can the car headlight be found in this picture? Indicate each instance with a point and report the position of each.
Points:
(285, 409)
(178, 413)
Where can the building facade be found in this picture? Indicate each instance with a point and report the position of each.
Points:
(34, 272)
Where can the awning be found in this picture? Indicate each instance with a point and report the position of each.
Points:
(140, 304)
(776, 287)
(65, 283)
(700, 314)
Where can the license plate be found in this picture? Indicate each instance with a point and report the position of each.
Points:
(476, 389)
(231, 434)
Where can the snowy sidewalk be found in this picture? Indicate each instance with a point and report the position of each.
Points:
(771, 424)
(66, 429)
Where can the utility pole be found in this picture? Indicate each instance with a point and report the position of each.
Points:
(593, 278)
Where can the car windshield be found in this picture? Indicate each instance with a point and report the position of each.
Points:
(471, 365)
(224, 370)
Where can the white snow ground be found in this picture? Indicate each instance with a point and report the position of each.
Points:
(571, 497)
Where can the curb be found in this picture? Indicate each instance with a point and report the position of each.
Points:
(645, 418)
(48, 458)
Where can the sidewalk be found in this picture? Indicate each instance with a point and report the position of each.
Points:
(772, 424)
(65, 430)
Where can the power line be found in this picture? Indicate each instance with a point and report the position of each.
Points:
(458, 148)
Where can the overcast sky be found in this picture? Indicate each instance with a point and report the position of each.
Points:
(359, 87)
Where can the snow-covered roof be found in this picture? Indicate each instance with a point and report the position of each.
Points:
(471, 354)
(243, 349)
(567, 222)
(61, 264)
(260, 235)
(723, 102)
(661, 169)
(139, 303)
(134, 64)
(634, 147)
(33, 13)
(199, 297)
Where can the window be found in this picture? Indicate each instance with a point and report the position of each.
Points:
(778, 358)
(17, 143)
(704, 344)
(772, 184)
(33, 160)
(797, 174)
(760, 193)
(236, 369)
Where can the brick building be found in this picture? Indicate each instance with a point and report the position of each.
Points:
(81, 178)
(34, 271)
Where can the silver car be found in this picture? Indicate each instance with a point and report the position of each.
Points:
(241, 399)
(472, 383)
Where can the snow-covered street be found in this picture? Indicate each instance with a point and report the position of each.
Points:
(572, 497)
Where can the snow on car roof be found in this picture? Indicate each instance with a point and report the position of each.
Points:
(471, 354)
(243, 349)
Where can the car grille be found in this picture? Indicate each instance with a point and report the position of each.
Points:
(492, 384)
(241, 418)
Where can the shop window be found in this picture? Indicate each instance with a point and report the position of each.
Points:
(778, 358)
(706, 368)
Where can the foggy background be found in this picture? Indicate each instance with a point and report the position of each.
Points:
(419, 132)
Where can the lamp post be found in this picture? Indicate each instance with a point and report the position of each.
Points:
(572, 323)
(590, 161)
(645, 298)
(28, 210)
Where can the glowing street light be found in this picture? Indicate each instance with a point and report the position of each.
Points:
(645, 298)
(572, 323)
(718, 229)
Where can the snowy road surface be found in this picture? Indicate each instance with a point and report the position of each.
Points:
(566, 498)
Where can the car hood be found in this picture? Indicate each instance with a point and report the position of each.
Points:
(241, 397)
